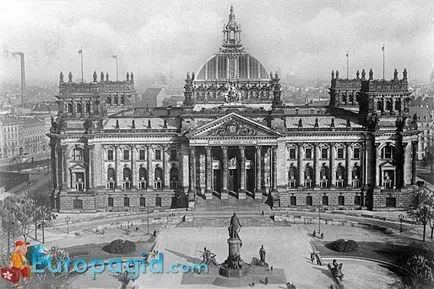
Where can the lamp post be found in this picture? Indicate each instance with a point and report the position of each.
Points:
(67, 219)
(147, 210)
(401, 217)
(319, 220)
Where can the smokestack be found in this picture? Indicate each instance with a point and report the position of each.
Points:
(23, 74)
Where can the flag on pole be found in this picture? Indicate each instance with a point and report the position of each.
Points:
(115, 56)
(382, 48)
(80, 51)
(347, 54)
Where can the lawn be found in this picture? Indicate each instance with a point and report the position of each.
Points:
(386, 252)
(95, 251)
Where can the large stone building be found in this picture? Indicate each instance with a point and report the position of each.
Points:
(234, 138)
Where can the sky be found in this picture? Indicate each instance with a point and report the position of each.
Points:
(302, 37)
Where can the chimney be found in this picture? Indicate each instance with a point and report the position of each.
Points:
(23, 75)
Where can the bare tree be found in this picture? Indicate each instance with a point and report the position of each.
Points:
(421, 204)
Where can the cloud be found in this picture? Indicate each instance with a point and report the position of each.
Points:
(307, 37)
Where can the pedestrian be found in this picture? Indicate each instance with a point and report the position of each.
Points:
(312, 257)
(314, 233)
(266, 280)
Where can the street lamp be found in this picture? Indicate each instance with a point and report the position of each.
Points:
(147, 210)
(401, 217)
(319, 220)
(67, 219)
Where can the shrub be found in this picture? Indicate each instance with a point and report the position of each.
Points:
(120, 247)
(420, 270)
(345, 246)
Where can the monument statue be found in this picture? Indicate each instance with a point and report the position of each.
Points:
(262, 254)
(234, 227)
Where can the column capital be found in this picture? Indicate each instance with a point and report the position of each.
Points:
(224, 148)
(208, 148)
(242, 148)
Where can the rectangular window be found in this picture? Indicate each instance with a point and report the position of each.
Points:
(126, 202)
(142, 155)
(324, 153)
(158, 155)
(110, 155)
(126, 155)
(308, 153)
(110, 202)
(173, 155)
(388, 152)
(292, 153)
(142, 202)
(356, 153)
(340, 153)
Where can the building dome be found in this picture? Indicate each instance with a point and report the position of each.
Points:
(232, 62)
(246, 67)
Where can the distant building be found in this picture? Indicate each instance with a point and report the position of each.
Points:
(426, 125)
(174, 101)
(24, 139)
(153, 96)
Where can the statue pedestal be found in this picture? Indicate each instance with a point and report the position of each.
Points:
(234, 266)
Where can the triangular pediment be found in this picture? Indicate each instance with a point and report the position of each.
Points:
(233, 125)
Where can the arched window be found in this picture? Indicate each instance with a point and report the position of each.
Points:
(115, 102)
(143, 178)
(87, 107)
(356, 176)
(379, 105)
(340, 176)
(344, 97)
(308, 176)
(293, 201)
(109, 100)
(158, 181)
(126, 202)
(292, 177)
(79, 107)
(341, 201)
(111, 178)
(70, 108)
(174, 178)
(351, 98)
(126, 183)
(389, 105)
(77, 204)
(398, 105)
(324, 176)
(357, 200)
(388, 152)
(325, 200)
(77, 154)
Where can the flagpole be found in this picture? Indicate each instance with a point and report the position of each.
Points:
(348, 66)
(116, 57)
(81, 54)
(384, 60)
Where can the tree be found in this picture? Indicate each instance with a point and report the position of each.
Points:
(421, 203)
(41, 215)
(420, 271)
(431, 220)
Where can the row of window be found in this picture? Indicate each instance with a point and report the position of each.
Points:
(308, 153)
(126, 155)
(308, 180)
(324, 201)
(115, 100)
(143, 178)
(79, 108)
(77, 204)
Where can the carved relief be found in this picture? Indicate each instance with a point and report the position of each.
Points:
(233, 127)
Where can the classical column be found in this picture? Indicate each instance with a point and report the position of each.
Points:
(150, 174)
(348, 164)
(274, 169)
(316, 166)
(118, 180)
(407, 163)
(165, 168)
(133, 167)
(332, 166)
(242, 190)
(258, 191)
(419, 146)
(225, 193)
(53, 165)
(414, 162)
(91, 166)
(299, 164)
(192, 169)
(377, 165)
(59, 166)
(208, 190)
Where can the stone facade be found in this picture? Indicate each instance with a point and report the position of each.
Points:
(234, 138)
